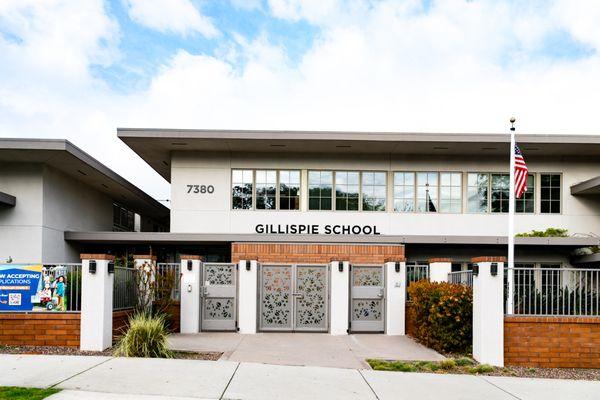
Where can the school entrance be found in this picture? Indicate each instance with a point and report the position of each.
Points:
(294, 297)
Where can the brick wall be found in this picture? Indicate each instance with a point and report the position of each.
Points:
(120, 322)
(552, 342)
(33, 329)
(316, 253)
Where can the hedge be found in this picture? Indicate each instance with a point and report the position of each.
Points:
(443, 315)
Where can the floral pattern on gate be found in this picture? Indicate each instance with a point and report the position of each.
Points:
(219, 274)
(312, 307)
(366, 310)
(367, 276)
(218, 308)
(277, 282)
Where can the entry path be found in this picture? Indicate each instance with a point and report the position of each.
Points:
(105, 378)
(306, 349)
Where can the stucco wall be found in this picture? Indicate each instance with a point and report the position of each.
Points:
(211, 213)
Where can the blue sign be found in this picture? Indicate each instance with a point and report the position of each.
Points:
(19, 285)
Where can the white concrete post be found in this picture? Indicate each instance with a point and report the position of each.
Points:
(340, 293)
(395, 298)
(248, 286)
(439, 268)
(96, 303)
(488, 314)
(189, 316)
(141, 263)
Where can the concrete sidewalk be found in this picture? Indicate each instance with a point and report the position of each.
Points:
(136, 379)
(305, 349)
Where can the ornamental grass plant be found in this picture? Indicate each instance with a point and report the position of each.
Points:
(145, 337)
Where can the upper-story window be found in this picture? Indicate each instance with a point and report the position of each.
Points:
(526, 204)
(451, 192)
(500, 193)
(550, 193)
(289, 190)
(346, 190)
(320, 190)
(427, 191)
(241, 189)
(266, 189)
(404, 191)
(374, 187)
(477, 192)
(123, 219)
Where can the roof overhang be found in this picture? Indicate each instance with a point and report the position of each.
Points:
(7, 200)
(591, 186)
(155, 145)
(207, 238)
(64, 156)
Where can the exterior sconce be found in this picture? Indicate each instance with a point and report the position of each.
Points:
(189, 265)
(340, 266)
(397, 267)
(475, 269)
(248, 265)
(92, 266)
(494, 269)
(111, 267)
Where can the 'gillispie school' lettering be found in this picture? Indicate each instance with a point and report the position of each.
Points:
(305, 229)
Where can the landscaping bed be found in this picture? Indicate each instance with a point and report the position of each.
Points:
(20, 393)
(468, 366)
(74, 351)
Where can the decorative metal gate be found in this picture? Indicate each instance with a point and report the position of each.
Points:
(218, 297)
(294, 297)
(367, 309)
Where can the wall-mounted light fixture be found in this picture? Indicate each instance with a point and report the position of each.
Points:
(190, 264)
(111, 267)
(248, 265)
(475, 269)
(397, 266)
(92, 266)
(340, 266)
(494, 269)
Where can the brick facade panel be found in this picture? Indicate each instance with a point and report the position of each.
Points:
(49, 329)
(316, 253)
(552, 342)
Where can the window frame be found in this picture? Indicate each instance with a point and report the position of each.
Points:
(535, 195)
(277, 190)
(560, 191)
(414, 196)
(308, 171)
(461, 200)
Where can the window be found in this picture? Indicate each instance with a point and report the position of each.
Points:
(550, 193)
(477, 192)
(500, 193)
(450, 192)
(404, 191)
(346, 190)
(427, 191)
(526, 204)
(373, 191)
(289, 190)
(242, 189)
(320, 190)
(123, 219)
(266, 190)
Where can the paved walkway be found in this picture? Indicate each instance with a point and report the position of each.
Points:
(307, 349)
(106, 378)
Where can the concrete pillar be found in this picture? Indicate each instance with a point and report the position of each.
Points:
(248, 287)
(488, 311)
(439, 268)
(189, 316)
(395, 298)
(340, 293)
(145, 265)
(96, 302)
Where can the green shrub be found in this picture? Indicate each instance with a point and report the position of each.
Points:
(550, 232)
(448, 364)
(146, 336)
(481, 369)
(443, 314)
(464, 361)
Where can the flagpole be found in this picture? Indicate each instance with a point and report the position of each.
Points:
(511, 222)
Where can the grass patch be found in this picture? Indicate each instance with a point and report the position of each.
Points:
(461, 365)
(21, 393)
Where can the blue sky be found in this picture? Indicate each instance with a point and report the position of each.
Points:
(80, 69)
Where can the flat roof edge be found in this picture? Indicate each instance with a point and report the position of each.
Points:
(7, 199)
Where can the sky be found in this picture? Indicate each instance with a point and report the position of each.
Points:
(80, 69)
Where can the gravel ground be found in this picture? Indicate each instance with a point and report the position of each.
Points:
(552, 373)
(74, 351)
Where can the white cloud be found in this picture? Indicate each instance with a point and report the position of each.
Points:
(462, 67)
(175, 16)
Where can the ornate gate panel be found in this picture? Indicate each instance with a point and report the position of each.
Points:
(294, 298)
(218, 297)
(367, 308)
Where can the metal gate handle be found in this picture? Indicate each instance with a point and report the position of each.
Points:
(380, 293)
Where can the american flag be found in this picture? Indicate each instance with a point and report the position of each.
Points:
(520, 173)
